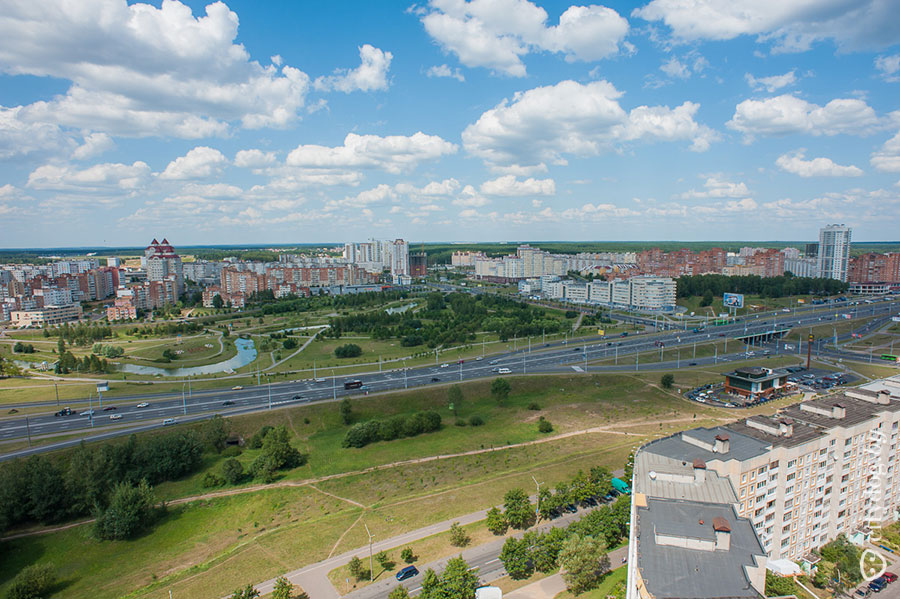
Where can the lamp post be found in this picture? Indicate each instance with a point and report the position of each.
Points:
(371, 560)
(183, 402)
(537, 509)
(333, 385)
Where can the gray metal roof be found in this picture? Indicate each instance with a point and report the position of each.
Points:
(677, 573)
(715, 489)
(742, 447)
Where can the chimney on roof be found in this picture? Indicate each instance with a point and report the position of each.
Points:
(723, 443)
(838, 410)
(699, 471)
(786, 427)
(723, 533)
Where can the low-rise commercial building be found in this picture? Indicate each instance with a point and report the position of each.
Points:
(46, 316)
(755, 382)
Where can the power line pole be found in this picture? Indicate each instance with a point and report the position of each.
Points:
(371, 560)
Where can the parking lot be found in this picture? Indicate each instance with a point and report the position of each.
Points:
(816, 380)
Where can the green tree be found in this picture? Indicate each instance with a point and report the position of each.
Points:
(517, 508)
(516, 559)
(289, 343)
(214, 433)
(130, 511)
(218, 303)
(384, 560)
(431, 586)
(350, 350)
(248, 592)
(455, 398)
(407, 555)
(496, 521)
(285, 590)
(355, 566)
(33, 582)
(500, 390)
(346, 411)
(399, 592)
(584, 561)
(544, 426)
(458, 536)
(60, 346)
(777, 586)
(277, 447)
(458, 581)
(232, 471)
(667, 380)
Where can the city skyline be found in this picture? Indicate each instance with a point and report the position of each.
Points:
(253, 124)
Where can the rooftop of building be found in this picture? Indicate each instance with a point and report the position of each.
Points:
(756, 373)
(798, 433)
(671, 572)
(657, 475)
(740, 447)
(850, 411)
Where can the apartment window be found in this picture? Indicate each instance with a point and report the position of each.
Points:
(847, 442)
(758, 513)
(753, 475)
(789, 490)
(822, 451)
(786, 529)
(787, 516)
(788, 503)
(792, 463)
(743, 478)
(784, 542)
(762, 470)
(775, 463)
(743, 492)
(790, 476)
(760, 484)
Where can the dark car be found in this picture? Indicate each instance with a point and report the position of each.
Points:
(878, 584)
(109, 408)
(435, 379)
(227, 402)
(407, 572)
(692, 364)
(571, 508)
(298, 396)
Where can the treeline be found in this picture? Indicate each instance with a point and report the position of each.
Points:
(79, 334)
(23, 348)
(45, 491)
(769, 287)
(363, 433)
(67, 363)
(166, 329)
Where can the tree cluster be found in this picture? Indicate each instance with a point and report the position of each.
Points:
(455, 582)
(583, 488)
(108, 351)
(770, 287)
(81, 333)
(166, 329)
(349, 350)
(398, 426)
(23, 348)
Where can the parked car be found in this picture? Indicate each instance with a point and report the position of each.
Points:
(890, 577)
(407, 572)
(878, 584)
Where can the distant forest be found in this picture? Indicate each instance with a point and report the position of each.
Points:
(438, 253)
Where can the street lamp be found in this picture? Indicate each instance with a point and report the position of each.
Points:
(183, 402)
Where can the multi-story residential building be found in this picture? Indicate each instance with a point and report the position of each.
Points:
(801, 477)
(466, 259)
(162, 263)
(874, 268)
(122, 309)
(834, 252)
(418, 265)
(377, 255)
(802, 266)
(400, 258)
(635, 293)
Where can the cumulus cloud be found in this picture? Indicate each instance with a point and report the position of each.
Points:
(773, 83)
(254, 158)
(795, 162)
(445, 71)
(497, 33)
(199, 163)
(144, 71)
(96, 178)
(370, 75)
(715, 187)
(394, 154)
(94, 145)
(377, 195)
(793, 26)
(887, 158)
(508, 185)
(22, 137)
(889, 67)
(786, 114)
(543, 124)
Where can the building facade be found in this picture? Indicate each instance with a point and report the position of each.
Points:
(834, 252)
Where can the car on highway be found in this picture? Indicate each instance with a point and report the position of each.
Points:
(87, 413)
(407, 572)
(479, 359)
(297, 396)
(109, 408)
(169, 422)
(115, 416)
(504, 371)
(143, 404)
(236, 388)
(445, 365)
(64, 412)
(435, 379)
(227, 402)
(320, 380)
(692, 364)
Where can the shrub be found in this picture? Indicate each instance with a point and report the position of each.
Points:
(476, 420)
(33, 582)
(460, 422)
(130, 511)
(350, 350)
(232, 471)
(232, 451)
(458, 536)
(544, 425)
(667, 380)
(210, 480)
(257, 439)
(535, 406)
(407, 555)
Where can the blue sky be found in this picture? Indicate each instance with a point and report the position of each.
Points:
(449, 120)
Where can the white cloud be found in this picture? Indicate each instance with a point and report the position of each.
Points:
(887, 159)
(508, 185)
(140, 70)
(394, 154)
(889, 67)
(497, 33)
(794, 25)
(94, 145)
(446, 187)
(199, 163)
(377, 195)
(96, 178)
(773, 83)
(788, 114)
(543, 124)
(675, 68)
(370, 75)
(794, 162)
(254, 158)
(22, 137)
(716, 187)
(445, 71)
(213, 190)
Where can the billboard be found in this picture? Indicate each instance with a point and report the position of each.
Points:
(102, 387)
(733, 300)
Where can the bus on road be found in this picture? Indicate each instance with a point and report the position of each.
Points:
(353, 384)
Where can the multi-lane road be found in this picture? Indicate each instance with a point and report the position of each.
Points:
(571, 356)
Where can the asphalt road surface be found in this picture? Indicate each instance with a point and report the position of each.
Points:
(530, 357)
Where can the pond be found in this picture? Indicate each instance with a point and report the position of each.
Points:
(246, 353)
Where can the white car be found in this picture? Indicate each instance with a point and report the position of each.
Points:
(115, 416)
(143, 404)
(445, 365)
(236, 388)
(88, 413)
(320, 380)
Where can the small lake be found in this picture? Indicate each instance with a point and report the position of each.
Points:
(246, 353)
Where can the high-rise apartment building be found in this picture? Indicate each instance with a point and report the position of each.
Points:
(163, 264)
(834, 252)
